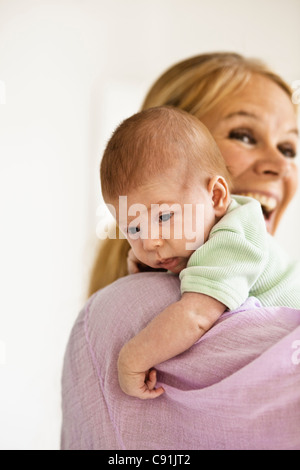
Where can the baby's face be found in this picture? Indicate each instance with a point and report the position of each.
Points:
(165, 224)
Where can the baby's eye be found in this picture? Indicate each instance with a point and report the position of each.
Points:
(133, 230)
(165, 217)
(287, 150)
(243, 135)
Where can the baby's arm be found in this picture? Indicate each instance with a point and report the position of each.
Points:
(172, 332)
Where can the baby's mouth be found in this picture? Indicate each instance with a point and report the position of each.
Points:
(168, 263)
(268, 203)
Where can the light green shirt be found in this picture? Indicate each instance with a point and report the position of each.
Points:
(240, 259)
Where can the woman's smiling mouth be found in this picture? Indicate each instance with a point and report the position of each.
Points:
(268, 202)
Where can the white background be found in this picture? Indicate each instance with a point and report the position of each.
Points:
(72, 70)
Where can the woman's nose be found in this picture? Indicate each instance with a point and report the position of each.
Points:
(273, 163)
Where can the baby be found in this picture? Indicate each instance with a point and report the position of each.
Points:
(171, 171)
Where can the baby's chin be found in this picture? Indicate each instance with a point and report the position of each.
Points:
(178, 269)
(175, 271)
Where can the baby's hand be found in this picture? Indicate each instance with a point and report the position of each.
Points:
(133, 264)
(138, 384)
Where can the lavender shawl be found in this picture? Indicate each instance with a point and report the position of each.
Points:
(236, 388)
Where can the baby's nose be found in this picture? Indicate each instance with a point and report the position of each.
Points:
(152, 244)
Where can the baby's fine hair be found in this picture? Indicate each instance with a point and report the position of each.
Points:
(154, 141)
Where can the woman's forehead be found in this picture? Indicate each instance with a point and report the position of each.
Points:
(260, 99)
(262, 94)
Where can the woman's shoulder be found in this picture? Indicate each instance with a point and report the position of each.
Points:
(118, 311)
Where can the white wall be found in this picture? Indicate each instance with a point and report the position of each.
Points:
(72, 70)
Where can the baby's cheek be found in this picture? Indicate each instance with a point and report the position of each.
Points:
(139, 252)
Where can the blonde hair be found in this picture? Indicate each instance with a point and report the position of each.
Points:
(154, 141)
(199, 84)
(196, 85)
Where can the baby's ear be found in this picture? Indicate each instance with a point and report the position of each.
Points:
(220, 195)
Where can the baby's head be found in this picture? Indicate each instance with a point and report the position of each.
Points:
(166, 182)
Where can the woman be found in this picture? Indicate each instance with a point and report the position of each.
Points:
(234, 86)
(238, 387)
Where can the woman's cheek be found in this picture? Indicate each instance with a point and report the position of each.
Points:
(291, 181)
(237, 159)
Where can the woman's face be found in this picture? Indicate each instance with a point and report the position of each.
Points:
(256, 131)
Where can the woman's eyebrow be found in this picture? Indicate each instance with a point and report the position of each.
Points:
(254, 116)
(241, 113)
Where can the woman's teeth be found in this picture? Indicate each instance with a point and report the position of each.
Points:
(268, 203)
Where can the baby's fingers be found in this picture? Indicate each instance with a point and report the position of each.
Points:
(151, 380)
(132, 263)
(151, 391)
(149, 394)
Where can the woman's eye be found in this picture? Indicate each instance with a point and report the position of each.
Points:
(242, 135)
(133, 230)
(287, 150)
(165, 217)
